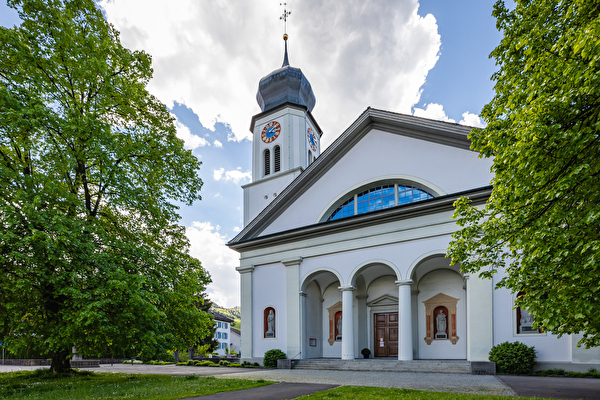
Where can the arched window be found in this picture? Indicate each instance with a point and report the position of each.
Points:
(379, 198)
(524, 320)
(267, 162)
(277, 156)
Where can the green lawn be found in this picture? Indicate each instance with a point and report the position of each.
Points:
(84, 385)
(373, 393)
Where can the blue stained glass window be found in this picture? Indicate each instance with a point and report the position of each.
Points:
(379, 198)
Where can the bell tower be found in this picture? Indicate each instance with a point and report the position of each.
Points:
(286, 137)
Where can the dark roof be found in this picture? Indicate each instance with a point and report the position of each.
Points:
(220, 317)
(236, 331)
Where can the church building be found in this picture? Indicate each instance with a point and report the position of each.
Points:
(344, 249)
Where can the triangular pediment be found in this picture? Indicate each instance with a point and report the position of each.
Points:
(383, 301)
(441, 298)
(298, 206)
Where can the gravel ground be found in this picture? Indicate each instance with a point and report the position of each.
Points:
(453, 383)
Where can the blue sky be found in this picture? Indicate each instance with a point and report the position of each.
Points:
(427, 58)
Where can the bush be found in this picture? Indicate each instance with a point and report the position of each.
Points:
(224, 363)
(513, 358)
(204, 363)
(255, 364)
(234, 365)
(271, 357)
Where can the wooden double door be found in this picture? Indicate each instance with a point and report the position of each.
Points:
(386, 335)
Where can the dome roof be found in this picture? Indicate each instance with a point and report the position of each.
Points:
(286, 84)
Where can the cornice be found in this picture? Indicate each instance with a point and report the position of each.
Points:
(439, 204)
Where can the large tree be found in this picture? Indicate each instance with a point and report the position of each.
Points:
(541, 224)
(90, 169)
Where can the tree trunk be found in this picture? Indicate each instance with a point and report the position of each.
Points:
(60, 362)
(191, 352)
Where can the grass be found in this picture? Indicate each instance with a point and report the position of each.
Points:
(84, 385)
(373, 393)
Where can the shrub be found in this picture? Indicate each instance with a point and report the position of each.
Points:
(224, 363)
(255, 364)
(190, 362)
(513, 358)
(271, 357)
(365, 352)
(234, 365)
(204, 363)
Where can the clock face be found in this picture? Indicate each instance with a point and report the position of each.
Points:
(312, 139)
(270, 132)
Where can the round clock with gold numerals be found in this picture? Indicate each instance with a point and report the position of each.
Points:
(312, 139)
(270, 132)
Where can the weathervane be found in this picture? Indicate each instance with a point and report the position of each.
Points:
(284, 17)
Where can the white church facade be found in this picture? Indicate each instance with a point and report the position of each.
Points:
(345, 250)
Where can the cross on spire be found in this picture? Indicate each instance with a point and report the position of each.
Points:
(284, 17)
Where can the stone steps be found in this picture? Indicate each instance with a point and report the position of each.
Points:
(439, 366)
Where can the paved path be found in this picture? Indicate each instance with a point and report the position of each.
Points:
(453, 383)
(277, 391)
(553, 387)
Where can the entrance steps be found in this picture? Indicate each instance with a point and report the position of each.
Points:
(387, 365)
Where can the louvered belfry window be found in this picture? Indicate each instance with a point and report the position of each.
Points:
(267, 162)
(277, 154)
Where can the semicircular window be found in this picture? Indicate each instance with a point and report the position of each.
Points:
(379, 198)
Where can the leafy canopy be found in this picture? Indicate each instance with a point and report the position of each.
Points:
(90, 251)
(541, 223)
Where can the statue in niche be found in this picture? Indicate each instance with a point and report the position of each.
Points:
(270, 325)
(339, 328)
(440, 321)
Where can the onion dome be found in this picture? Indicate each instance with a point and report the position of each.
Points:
(285, 85)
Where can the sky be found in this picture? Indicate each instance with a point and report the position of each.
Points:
(428, 58)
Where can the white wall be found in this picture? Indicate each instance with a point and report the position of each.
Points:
(269, 291)
(381, 154)
(548, 347)
(314, 321)
(449, 283)
(331, 296)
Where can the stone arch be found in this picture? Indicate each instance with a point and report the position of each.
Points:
(422, 258)
(361, 267)
(308, 277)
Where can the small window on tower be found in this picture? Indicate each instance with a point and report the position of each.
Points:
(277, 151)
(267, 162)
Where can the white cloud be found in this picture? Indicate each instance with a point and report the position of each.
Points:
(235, 176)
(210, 55)
(433, 111)
(209, 246)
(191, 141)
(471, 120)
(237, 229)
(216, 143)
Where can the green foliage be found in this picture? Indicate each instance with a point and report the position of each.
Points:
(89, 386)
(365, 352)
(205, 364)
(561, 372)
(540, 224)
(90, 170)
(224, 363)
(513, 358)
(233, 364)
(271, 357)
